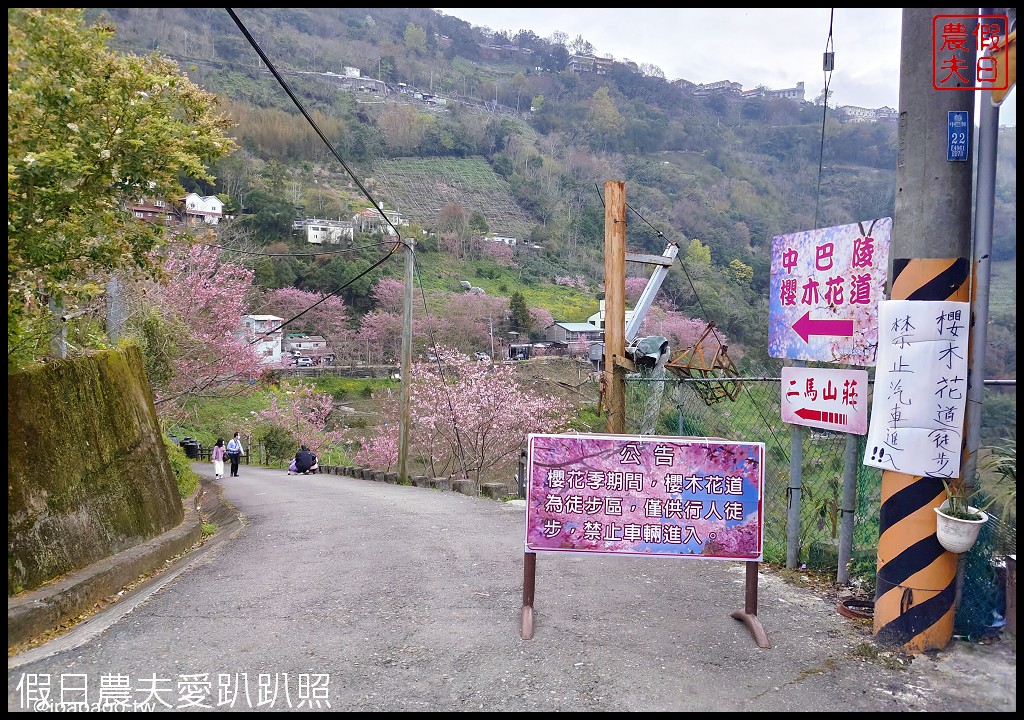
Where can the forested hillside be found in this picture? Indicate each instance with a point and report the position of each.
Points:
(521, 146)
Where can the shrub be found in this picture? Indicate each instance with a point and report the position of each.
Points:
(279, 444)
(187, 479)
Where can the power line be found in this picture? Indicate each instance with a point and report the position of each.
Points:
(309, 118)
(827, 65)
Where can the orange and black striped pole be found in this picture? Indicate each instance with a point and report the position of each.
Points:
(915, 596)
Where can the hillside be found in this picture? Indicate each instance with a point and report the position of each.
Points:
(524, 147)
(421, 187)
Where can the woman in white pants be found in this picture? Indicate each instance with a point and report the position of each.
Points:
(217, 455)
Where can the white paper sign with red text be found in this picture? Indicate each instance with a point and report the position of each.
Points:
(826, 398)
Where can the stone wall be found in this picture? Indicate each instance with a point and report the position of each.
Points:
(87, 471)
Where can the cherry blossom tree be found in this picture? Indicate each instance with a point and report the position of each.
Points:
(389, 295)
(199, 303)
(681, 331)
(634, 287)
(315, 315)
(470, 419)
(541, 319)
(304, 413)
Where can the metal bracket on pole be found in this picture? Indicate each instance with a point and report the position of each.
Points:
(663, 262)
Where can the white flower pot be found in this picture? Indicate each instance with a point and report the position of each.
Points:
(957, 535)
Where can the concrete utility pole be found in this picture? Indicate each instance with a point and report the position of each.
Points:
(406, 396)
(915, 599)
(615, 361)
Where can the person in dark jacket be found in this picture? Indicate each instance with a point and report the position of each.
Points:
(305, 460)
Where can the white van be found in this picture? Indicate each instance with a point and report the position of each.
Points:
(303, 362)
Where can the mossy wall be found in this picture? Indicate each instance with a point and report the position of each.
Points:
(87, 471)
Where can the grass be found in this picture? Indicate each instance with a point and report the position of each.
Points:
(1003, 290)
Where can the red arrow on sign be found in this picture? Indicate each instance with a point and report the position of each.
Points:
(821, 416)
(805, 327)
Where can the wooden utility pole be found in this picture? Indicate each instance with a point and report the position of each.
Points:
(615, 361)
(406, 397)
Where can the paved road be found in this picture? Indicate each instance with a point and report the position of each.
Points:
(344, 594)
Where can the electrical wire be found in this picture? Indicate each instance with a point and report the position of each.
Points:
(827, 67)
(714, 329)
(440, 370)
(355, 248)
(309, 118)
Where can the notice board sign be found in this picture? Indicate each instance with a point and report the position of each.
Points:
(646, 495)
(920, 398)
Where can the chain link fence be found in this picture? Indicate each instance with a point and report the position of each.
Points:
(670, 405)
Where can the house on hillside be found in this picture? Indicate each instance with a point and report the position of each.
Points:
(207, 209)
(793, 93)
(295, 345)
(509, 240)
(264, 331)
(852, 113)
(370, 221)
(721, 86)
(597, 318)
(575, 337)
(567, 333)
(152, 210)
(318, 231)
(580, 64)
(193, 209)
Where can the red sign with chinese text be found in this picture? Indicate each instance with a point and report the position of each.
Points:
(966, 52)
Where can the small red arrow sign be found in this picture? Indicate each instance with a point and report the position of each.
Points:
(821, 416)
(805, 327)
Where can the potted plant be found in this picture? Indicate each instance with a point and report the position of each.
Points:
(958, 522)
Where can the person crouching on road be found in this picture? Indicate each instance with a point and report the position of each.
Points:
(305, 460)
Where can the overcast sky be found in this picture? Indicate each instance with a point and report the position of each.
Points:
(776, 48)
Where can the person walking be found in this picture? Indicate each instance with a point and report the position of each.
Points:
(217, 456)
(235, 453)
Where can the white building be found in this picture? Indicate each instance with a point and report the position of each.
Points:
(332, 232)
(313, 347)
(264, 331)
(207, 208)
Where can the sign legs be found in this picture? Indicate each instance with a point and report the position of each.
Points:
(748, 615)
(529, 584)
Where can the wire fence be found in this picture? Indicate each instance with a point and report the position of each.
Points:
(677, 406)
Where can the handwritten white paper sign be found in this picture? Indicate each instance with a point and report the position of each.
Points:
(920, 394)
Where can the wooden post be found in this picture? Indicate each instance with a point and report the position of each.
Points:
(615, 362)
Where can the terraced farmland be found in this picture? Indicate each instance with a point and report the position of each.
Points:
(420, 187)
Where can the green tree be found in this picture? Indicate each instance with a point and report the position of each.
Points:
(478, 223)
(519, 319)
(89, 130)
(604, 117)
(415, 39)
(697, 253)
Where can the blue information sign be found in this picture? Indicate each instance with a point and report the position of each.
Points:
(959, 126)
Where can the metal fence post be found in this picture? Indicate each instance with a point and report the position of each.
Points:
(796, 460)
(848, 508)
(520, 479)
